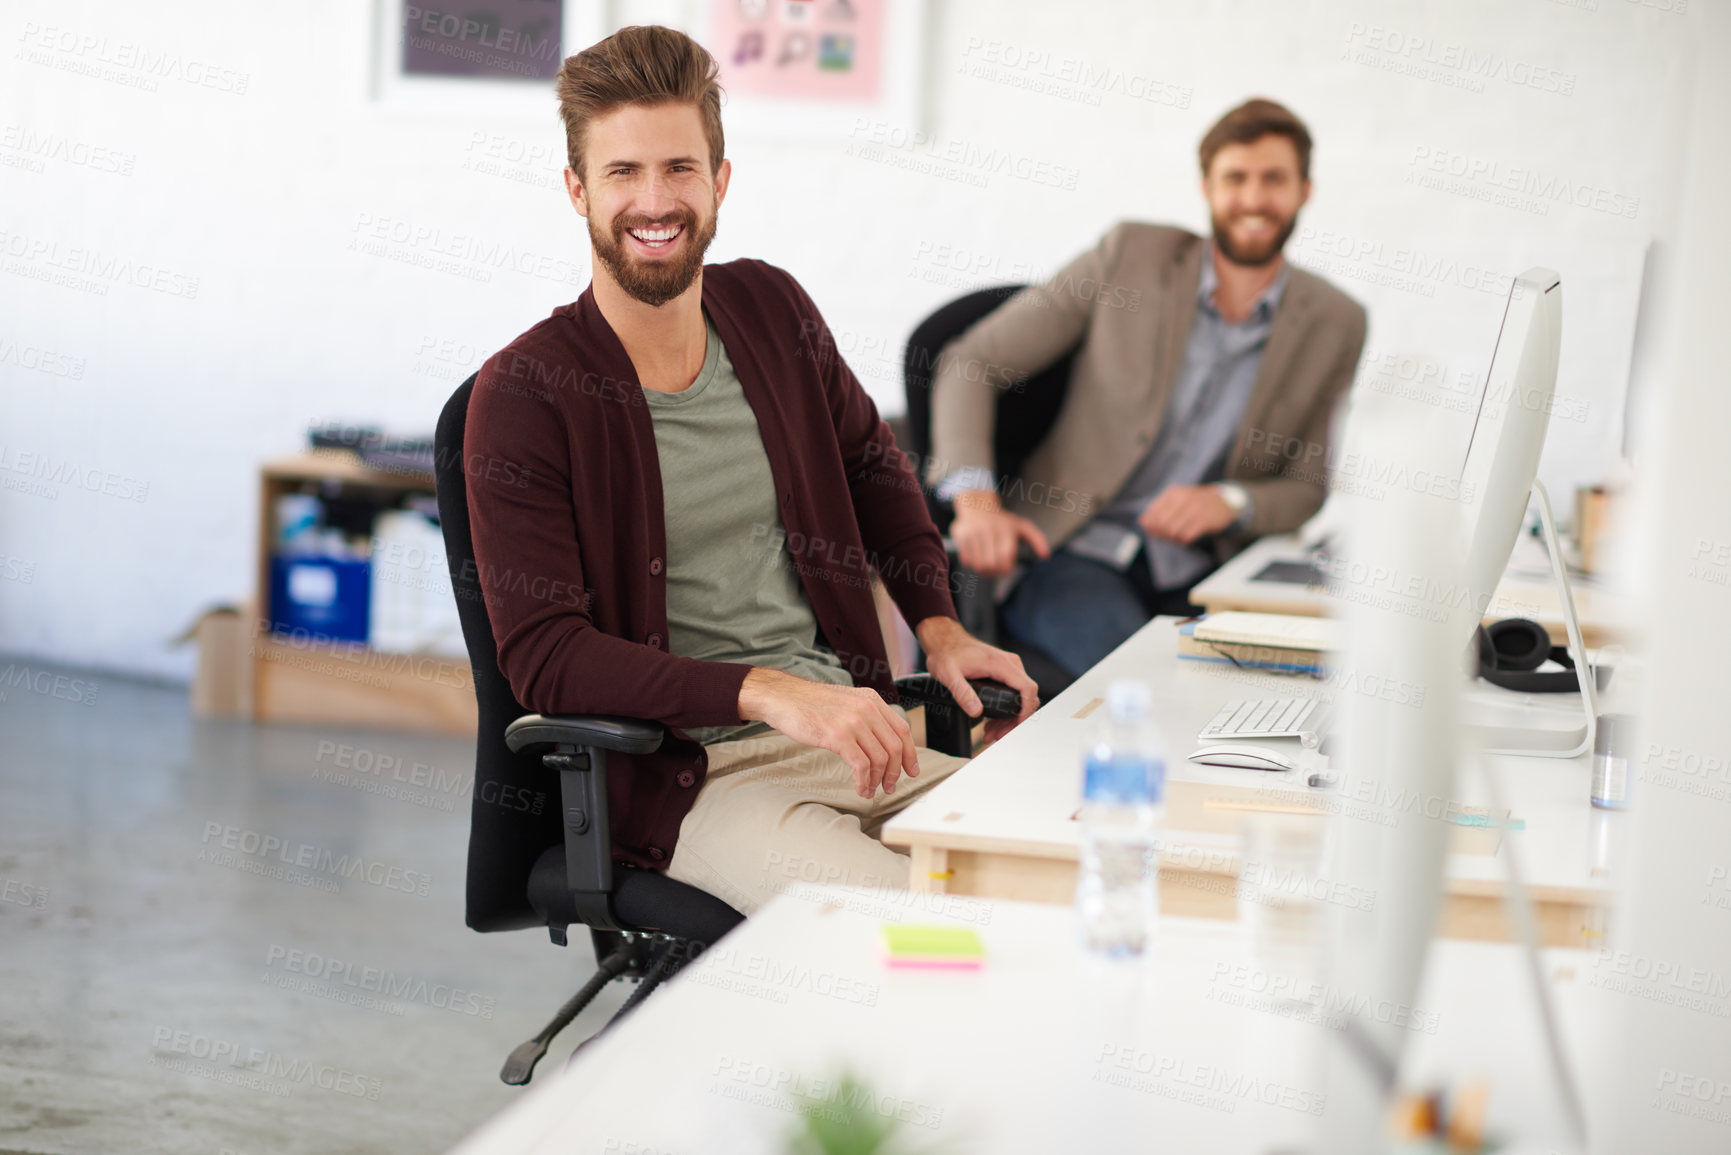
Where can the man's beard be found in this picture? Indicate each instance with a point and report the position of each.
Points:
(1253, 258)
(654, 282)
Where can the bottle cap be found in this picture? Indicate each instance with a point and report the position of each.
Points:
(1127, 700)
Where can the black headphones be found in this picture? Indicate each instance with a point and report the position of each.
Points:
(1511, 651)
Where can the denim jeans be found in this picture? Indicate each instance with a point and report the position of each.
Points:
(1078, 610)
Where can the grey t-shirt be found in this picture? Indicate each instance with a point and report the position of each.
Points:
(732, 594)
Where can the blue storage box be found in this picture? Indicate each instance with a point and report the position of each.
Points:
(319, 595)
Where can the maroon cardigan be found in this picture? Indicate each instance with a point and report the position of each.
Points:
(565, 505)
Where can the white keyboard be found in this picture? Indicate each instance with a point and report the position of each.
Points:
(1301, 718)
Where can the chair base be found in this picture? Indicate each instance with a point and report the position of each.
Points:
(673, 924)
(648, 960)
(519, 1066)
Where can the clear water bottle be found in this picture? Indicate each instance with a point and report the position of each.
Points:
(1123, 796)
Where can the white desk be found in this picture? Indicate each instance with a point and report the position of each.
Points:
(1003, 825)
(1526, 591)
(1010, 1059)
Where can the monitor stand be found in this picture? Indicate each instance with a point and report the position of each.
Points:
(1535, 741)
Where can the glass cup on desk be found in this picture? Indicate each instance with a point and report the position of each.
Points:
(1280, 893)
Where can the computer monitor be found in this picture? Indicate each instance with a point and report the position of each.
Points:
(1643, 357)
(1414, 753)
(1500, 476)
(1508, 434)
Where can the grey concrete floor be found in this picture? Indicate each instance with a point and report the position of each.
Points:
(211, 941)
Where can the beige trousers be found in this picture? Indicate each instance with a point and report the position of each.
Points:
(773, 813)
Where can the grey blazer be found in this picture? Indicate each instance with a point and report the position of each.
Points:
(1129, 302)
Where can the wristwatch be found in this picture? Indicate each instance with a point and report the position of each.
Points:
(1233, 494)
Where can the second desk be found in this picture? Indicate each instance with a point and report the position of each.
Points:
(1004, 825)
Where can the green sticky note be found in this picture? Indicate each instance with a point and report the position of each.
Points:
(954, 942)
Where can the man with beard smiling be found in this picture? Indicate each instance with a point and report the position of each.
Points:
(1197, 413)
(692, 452)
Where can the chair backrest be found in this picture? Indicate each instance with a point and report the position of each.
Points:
(514, 814)
(1024, 413)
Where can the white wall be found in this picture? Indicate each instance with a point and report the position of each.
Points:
(258, 195)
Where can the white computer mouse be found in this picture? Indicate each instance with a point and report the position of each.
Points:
(1243, 757)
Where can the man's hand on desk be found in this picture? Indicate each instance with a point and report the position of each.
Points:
(1184, 513)
(852, 721)
(986, 535)
(953, 656)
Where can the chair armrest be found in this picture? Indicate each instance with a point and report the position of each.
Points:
(1025, 554)
(602, 731)
(976, 607)
(996, 699)
(583, 798)
(947, 727)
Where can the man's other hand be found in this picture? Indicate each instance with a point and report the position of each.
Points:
(953, 656)
(986, 535)
(1184, 513)
(851, 721)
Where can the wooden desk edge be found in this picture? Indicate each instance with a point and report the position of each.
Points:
(1469, 911)
(1175, 860)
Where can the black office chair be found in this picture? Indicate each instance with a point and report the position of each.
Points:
(532, 863)
(1026, 410)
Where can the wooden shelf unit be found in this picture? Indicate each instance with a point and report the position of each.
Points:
(344, 682)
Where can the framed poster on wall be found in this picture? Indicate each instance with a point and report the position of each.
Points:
(492, 56)
(816, 67)
(803, 68)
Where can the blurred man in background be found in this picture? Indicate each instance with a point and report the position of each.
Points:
(1200, 363)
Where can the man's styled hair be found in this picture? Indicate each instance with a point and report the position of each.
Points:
(644, 64)
(1251, 121)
